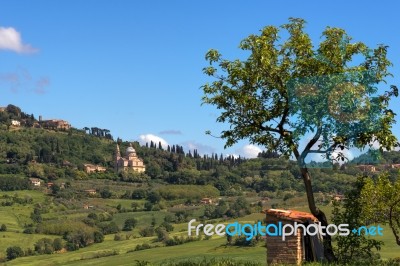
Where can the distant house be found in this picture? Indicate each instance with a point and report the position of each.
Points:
(366, 168)
(35, 181)
(338, 197)
(50, 184)
(66, 164)
(206, 201)
(15, 123)
(54, 124)
(91, 168)
(393, 166)
(91, 191)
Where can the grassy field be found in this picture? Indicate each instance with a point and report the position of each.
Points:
(17, 215)
(205, 248)
(24, 241)
(122, 252)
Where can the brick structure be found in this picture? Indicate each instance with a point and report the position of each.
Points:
(91, 168)
(35, 181)
(366, 168)
(206, 201)
(54, 124)
(295, 249)
(392, 166)
(91, 191)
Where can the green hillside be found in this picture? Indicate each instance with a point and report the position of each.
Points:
(132, 216)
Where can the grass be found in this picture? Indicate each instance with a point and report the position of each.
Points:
(24, 241)
(213, 248)
(112, 252)
(17, 215)
(144, 218)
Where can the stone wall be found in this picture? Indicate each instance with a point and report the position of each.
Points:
(288, 251)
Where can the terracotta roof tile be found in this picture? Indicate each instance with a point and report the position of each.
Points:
(291, 215)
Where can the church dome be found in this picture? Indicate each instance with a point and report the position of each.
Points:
(130, 149)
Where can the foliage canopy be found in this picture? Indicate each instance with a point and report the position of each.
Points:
(287, 89)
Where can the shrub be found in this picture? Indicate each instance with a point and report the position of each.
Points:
(354, 248)
(118, 237)
(44, 246)
(168, 227)
(14, 252)
(148, 206)
(142, 247)
(162, 234)
(110, 228)
(129, 224)
(98, 237)
(3, 228)
(147, 231)
(29, 230)
(58, 244)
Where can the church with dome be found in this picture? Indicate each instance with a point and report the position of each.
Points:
(129, 161)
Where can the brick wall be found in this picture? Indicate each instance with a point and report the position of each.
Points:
(289, 251)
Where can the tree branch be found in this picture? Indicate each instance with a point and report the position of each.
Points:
(311, 143)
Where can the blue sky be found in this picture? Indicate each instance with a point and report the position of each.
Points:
(135, 67)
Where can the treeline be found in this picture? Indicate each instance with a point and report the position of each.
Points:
(49, 155)
(21, 147)
(12, 112)
(98, 132)
(11, 183)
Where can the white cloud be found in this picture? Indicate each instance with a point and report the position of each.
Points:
(249, 151)
(201, 148)
(375, 146)
(150, 137)
(10, 39)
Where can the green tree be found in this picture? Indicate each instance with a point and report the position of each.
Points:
(129, 224)
(3, 228)
(148, 206)
(354, 248)
(105, 193)
(14, 252)
(58, 244)
(139, 194)
(44, 246)
(381, 202)
(98, 237)
(168, 227)
(154, 197)
(147, 231)
(36, 215)
(162, 234)
(134, 206)
(286, 89)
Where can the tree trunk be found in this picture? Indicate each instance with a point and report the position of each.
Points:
(392, 224)
(320, 215)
